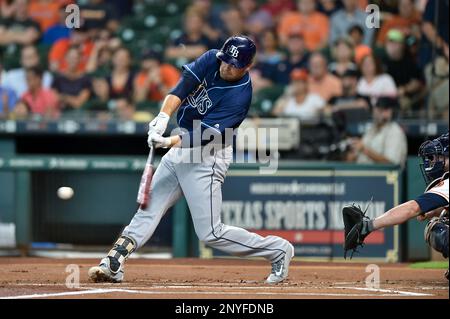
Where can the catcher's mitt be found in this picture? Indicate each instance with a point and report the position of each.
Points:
(354, 219)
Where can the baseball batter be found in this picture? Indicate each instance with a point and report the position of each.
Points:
(215, 92)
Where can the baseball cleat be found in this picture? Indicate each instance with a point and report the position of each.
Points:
(104, 273)
(280, 268)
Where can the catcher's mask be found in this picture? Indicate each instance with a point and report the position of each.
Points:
(433, 154)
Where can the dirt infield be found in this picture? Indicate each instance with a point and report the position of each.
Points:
(217, 279)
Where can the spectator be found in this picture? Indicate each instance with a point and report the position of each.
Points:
(329, 7)
(99, 100)
(278, 8)
(420, 5)
(349, 99)
(407, 21)
(321, 82)
(259, 82)
(267, 60)
(211, 14)
(404, 70)
(297, 58)
(98, 15)
(311, 23)
(7, 9)
(233, 22)
(437, 78)
(298, 101)
(350, 106)
(362, 4)
(434, 56)
(374, 82)
(343, 54)
(58, 30)
(387, 7)
(2, 72)
(269, 51)
(44, 12)
(19, 28)
(21, 111)
(101, 55)
(72, 86)
(120, 82)
(256, 20)
(356, 33)
(192, 43)
(38, 100)
(78, 37)
(384, 142)
(155, 79)
(344, 19)
(125, 109)
(8, 98)
(16, 78)
(434, 35)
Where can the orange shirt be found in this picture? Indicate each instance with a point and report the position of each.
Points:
(44, 13)
(169, 77)
(59, 49)
(403, 24)
(361, 51)
(315, 28)
(327, 87)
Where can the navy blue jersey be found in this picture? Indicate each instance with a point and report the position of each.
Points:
(217, 103)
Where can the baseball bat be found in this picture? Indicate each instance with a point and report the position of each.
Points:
(143, 197)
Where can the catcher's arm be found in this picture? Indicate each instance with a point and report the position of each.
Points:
(424, 206)
(398, 215)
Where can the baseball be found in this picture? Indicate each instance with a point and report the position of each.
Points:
(65, 193)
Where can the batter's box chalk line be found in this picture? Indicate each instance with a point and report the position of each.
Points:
(163, 290)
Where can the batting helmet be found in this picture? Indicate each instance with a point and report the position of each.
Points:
(238, 51)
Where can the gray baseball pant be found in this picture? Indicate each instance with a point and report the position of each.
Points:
(201, 184)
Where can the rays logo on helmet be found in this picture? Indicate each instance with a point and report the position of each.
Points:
(233, 51)
(238, 51)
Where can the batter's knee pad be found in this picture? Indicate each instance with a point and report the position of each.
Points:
(122, 248)
(436, 235)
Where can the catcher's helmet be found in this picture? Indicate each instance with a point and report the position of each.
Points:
(433, 154)
(238, 51)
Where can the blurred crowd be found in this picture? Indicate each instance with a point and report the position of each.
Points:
(317, 59)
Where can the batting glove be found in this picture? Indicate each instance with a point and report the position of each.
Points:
(156, 140)
(159, 124)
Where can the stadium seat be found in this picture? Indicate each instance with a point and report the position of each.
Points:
(144, 22)
(93, 105)
(11, 57)
(43, 50)
(172, 8)
(264, 100)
